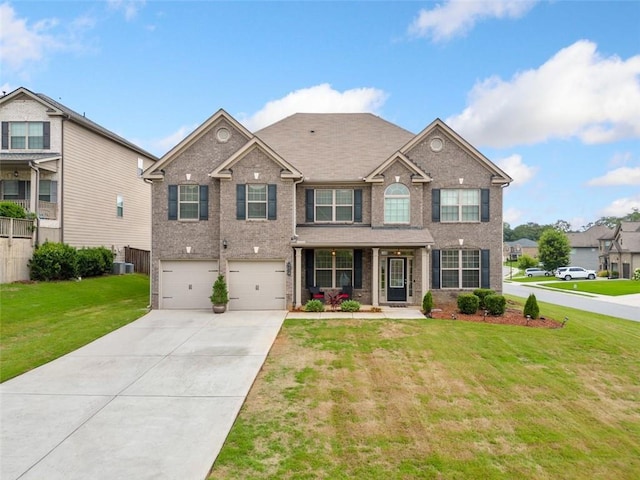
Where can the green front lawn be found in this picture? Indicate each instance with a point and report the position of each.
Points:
(43, 321)
(445, 399)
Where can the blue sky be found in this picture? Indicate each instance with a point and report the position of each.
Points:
(548, 90)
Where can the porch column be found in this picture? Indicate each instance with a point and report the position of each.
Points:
(33, 196)
(298, 277)
(425, 271)
(375, 282)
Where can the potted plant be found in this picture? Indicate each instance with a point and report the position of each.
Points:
(220, 296)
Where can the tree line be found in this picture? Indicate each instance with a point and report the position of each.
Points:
(533, 231)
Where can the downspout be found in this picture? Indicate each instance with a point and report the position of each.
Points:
(65, 117)
(37, 202)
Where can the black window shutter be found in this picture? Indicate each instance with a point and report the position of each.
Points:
(272, 201)
(435, 205)
(173, 202)
(357, 205)
(241, 206)
(484, 205)
(357, 269)
(308, 260)
(484, 269)
(46, 127)
(5, 135)
(204, 202)
(435, 269)
(309, 204)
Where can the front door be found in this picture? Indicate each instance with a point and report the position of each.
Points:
(397, 286)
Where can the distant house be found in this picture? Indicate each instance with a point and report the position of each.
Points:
(83, 182)
(624, 251)
(323, 202)
(587, 247)
(515, 249)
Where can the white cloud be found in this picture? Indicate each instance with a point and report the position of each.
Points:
(512, 216)
(517, 169)
(576, 93)
(162, 145)
(318, 99)
(621, 207)
(457, 17)
(129, 8)
(619, 176)
(21, 42)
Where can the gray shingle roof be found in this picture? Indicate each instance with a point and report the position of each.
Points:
(363, 236)
(335, 146)
(590, 237)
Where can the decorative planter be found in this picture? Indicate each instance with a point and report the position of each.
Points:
(219, 308)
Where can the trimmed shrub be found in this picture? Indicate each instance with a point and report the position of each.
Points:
(12, 210)
(495, 304)
(481, 293)
(531, 307)
(468, 303)
(54, 261)
(427, 302)
(636, 274)
(93, 262)
(314, 306)
(603, 273)
(350, 306)
(526, 261)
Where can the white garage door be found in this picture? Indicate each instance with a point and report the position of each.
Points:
(187, 284)
(256, 285)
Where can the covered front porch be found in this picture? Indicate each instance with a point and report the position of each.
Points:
(381, 266)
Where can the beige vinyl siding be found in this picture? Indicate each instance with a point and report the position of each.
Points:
(96, 170)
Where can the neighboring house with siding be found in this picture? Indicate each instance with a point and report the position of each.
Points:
(586, 247)
(624, 252)
(83, 182)
(513, 250)
(331, 201)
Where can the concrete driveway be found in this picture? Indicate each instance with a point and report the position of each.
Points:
(154, 399)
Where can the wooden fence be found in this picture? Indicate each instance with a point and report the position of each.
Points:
(141, 259)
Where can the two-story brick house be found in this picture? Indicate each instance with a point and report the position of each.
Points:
(328, 201)
(83, 182)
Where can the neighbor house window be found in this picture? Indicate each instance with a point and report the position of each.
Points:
(334, 205)
(140, 167)
(462, 205)
(256, 201)
(460, 268)
(396, 204)
(333, 268)
(189, 201)
(119, 206)
(48, 191)
(27, 135)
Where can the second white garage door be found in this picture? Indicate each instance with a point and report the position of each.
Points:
(256, 285)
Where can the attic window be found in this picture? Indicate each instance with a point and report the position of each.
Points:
(223, 135)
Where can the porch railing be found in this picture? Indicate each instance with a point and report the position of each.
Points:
(46, 210)
(16, 227)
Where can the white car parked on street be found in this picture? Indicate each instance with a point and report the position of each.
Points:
(570, 273)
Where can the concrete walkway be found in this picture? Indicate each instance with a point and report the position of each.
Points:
(154, 399)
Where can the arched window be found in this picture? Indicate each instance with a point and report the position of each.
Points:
(396, 204)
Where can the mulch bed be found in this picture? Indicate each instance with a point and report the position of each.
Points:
(512, 316)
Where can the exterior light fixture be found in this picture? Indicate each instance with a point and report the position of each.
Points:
(288, 269)
(225, 244)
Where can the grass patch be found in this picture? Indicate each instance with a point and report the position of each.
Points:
(43, 321)
(381, 399)
(600, 287)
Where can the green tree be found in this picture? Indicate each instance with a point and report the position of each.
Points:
(507, 233)
(530, 230)
(562, 225)
(553, 249)
(526, 261)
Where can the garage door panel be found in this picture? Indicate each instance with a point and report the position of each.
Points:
(187, 284)
(257, 285)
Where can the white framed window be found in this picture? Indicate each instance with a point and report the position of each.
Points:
(333, 268)
(256, 201)
(460, 205)
(460, 269)
(140, 166)
(334, 205)
(119, 206)
(188, 202)
(396, 204)
(25, 135)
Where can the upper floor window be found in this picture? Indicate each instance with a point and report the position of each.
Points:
(396, 204)
(256, 201)
(188, 202)
(334, 205)
(25, 135)
(119, 206)
(460, 205)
